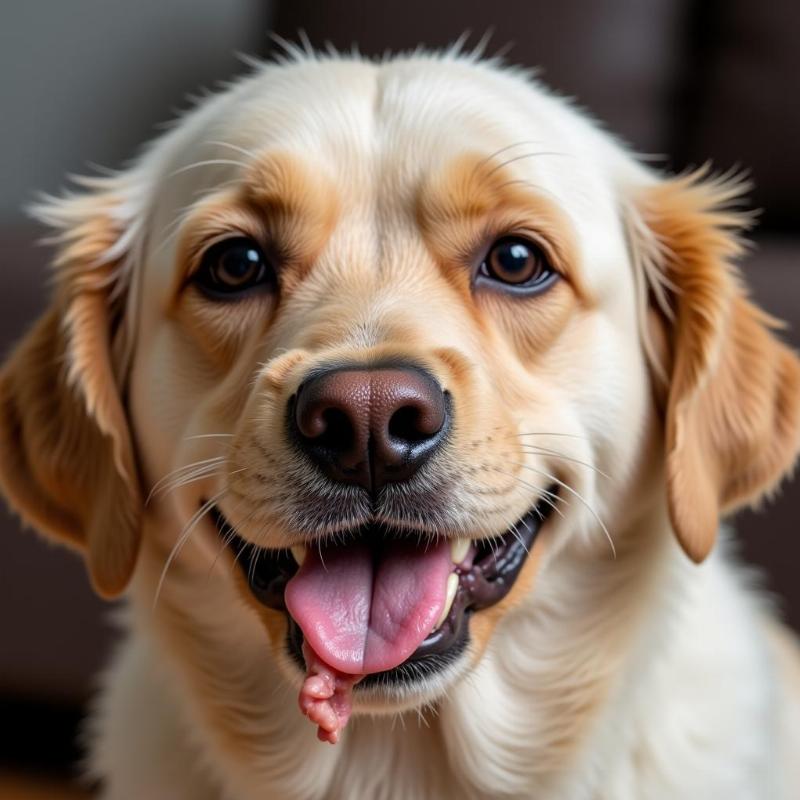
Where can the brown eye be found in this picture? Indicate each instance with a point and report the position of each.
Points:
(517, 263)
(233, 267)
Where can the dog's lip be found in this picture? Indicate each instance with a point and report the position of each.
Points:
(494, 570)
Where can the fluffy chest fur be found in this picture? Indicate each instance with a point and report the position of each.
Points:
(639, 686)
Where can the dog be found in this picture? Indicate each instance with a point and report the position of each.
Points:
(403, 404)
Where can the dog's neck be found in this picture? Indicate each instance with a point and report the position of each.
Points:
(522, 718)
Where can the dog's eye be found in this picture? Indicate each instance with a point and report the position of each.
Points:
(232, 267)
(517, 263)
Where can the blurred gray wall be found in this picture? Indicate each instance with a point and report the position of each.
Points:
(86, 80)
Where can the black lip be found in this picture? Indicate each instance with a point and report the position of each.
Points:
(496, 567)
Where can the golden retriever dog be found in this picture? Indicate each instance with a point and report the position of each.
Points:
(403, 403)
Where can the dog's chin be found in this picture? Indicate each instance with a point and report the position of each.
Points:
(485, 577)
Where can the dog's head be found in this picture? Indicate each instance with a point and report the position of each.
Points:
(417, 326)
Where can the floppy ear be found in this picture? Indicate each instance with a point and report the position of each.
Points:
(733, 402)
(66, 459)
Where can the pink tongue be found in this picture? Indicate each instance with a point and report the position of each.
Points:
(363, 613)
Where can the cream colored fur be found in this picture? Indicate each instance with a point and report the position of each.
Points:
(614, 672)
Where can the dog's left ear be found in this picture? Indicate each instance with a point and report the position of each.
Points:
(732, 407)
(66, 458)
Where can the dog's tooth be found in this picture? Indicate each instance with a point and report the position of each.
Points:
(450, 595)
(459, 549)
(299, 553)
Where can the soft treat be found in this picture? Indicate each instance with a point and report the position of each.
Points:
(362, 609)
(326, 697)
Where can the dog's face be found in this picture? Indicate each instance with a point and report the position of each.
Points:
(407, 333)
(398, 336)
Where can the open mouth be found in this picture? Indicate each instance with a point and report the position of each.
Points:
(387, 605)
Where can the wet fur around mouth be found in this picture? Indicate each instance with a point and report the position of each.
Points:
(495, 568)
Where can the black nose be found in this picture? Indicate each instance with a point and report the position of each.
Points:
(370, 426)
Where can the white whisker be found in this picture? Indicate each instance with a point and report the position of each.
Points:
(505, 149)
(183, 538)
(225, 541)
(516, 534)
(209, 162)
(521, 157)
(580, 497)
(534, 449)
(546, 433)
(189, 476)
(541, 493)
(234, 147)
(213, 471)
(176, 475)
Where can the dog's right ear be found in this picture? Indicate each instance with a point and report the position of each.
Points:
(66, 459)
(732, 406)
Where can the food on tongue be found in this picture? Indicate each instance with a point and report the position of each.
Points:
(363, 608)
(326, 696)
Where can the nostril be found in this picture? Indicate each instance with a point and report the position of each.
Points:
(413, 424)
(323, 424)
(336, 431)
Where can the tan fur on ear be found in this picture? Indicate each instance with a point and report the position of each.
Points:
(66, 459)
(733, 409)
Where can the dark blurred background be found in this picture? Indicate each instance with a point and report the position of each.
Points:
(86, 82)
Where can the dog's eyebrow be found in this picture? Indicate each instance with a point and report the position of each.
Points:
(285, 182)
(300, 204)
(278, 201)
(470, 197)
